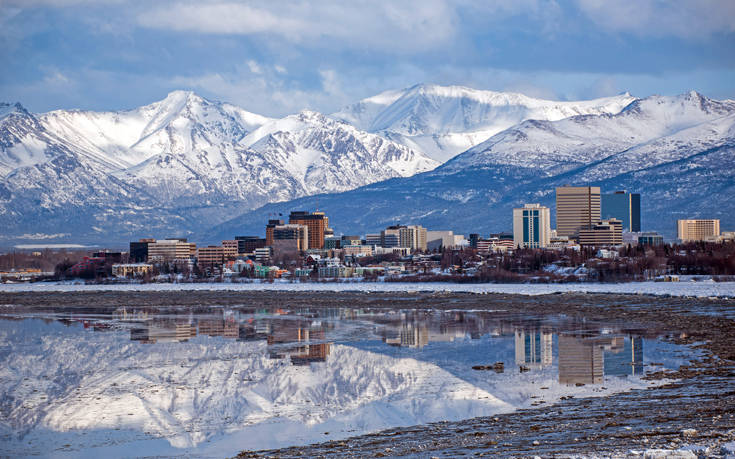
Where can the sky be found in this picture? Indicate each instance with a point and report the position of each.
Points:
(279, 57)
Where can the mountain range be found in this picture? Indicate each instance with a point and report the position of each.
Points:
(445, 157)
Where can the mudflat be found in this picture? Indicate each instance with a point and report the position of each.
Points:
(696, 406)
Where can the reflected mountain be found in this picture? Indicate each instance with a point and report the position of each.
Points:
(210, 381)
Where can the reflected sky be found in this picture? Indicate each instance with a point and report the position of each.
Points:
(214, 381)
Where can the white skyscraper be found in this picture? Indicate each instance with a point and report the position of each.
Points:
(531, 226)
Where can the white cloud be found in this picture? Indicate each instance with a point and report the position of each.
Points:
(405, 25)
(254, 67)
(681, 18)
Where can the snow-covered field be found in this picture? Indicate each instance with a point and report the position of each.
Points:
(684, 289)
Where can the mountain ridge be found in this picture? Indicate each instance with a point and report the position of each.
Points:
(673, 169)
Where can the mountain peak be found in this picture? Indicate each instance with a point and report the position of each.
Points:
(7, 109)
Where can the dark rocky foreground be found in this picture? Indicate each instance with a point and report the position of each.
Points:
(697, 408)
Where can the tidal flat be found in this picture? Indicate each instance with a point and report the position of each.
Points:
(216, 374)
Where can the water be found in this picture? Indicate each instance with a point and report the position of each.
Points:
(213, 381)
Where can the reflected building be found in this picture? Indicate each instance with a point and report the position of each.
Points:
(580, 360)
(533, 348)
(409, 335)
(163, 331)
(625, 358)
(305, 351)
(586, 360)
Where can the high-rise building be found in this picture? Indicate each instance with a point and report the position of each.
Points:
(411, 236)
(291, 237)
(390, 237)
(531, 226)
(269, 231)
(576, 207)
(318, 224)
(698, 230)
(602, 233)
(626, 207)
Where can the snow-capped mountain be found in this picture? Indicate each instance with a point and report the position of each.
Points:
(442, 121)
(678, 152)
(176, 165)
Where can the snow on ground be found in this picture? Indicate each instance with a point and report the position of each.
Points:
(684, 289)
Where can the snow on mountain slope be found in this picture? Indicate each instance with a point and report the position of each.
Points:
(133, 136)
(22, 140)
(312, 146)
(184, 157)
(677, 152)
(444, 121)
(660, 128)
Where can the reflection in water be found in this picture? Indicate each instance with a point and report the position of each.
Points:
(586, 359)
(533, 348)
(204, 378)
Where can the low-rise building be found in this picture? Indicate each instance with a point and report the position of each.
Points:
(603, 233)
(358, 250)
(335, 271)
(248, 244)
(131, 269)
(230, 249)
(263, 254)
(171, 249)
(211, 255)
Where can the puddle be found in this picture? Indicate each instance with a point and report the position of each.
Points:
(213, 381)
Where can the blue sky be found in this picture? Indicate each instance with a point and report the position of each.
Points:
(277, 57)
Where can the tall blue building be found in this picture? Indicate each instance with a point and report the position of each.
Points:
(626, 207)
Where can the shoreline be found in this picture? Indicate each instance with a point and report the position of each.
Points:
(704, 289)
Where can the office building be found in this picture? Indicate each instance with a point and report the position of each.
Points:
(269, 231)
(139, 250)
(317, 224)
(623, 206)
(531, 226)
(230, 249)
(171, 249)
(291, 237)
(131, 269)
(436, 240)
(576, 207)
(212, 255)
(602, 233)
(650, 238)
(698, 230)
(474, 237)
(350, 240)
(411, 236)
(332, 242)
(248, 244)
(263, 254)
(390, 237)
(373, 240)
